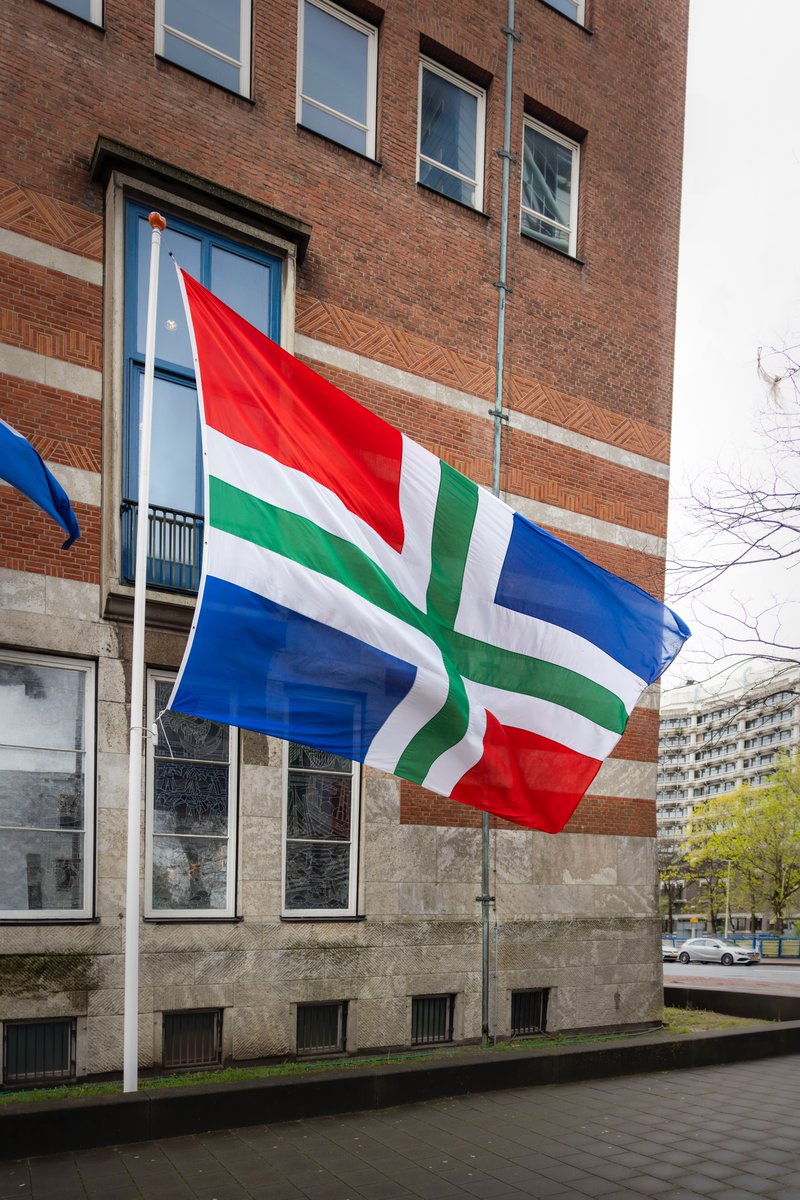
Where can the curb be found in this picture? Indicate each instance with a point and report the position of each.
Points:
(47, 1128)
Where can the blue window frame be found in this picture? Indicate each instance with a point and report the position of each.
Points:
(250, 282)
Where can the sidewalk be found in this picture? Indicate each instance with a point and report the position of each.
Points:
(727, 1131)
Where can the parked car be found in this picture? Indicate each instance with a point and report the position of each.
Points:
(716, 949)
(669, 953)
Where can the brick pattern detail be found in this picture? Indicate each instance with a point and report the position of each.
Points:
(30, 540)
(372, 338)
(47, 219)
(50, 313)
(62, 427)
(556, 475)
(639, 742)
(607, 815)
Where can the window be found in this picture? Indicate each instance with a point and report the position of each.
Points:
(46, 787)
(38, 1051)
(321, 842)
(89, 10)
(550, 187)
(451, 131)
(337, 74)
(209, 37)
(574, 9)
(431, 1019)
(250, 282)
(192, 1038)
(190, 855)
(321, 1028)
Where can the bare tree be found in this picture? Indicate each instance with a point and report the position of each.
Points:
(747, 526)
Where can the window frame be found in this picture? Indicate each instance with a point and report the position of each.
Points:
(95, 11)
(322, 914)
(574, 147)
(155, 675)
(89, 670)
(245, 47)
(371, 33)
(580, 15)
(430, 64)
(210, 237)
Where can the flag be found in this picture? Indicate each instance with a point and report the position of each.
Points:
(361, 596)
(24, 469)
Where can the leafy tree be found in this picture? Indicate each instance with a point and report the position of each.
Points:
(672, 871)
(757, 831)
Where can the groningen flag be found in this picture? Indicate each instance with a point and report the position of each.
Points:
(360, 596)
(23, 468)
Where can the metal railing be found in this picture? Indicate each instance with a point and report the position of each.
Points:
(174, 550)
(769, 945)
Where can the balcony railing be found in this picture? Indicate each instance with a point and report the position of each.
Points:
(174, 547)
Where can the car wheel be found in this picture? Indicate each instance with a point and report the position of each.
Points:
(727, 960)
(683, 957)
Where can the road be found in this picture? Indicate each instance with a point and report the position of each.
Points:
(783, 978)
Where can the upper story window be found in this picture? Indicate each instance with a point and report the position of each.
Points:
(451, 134)
(321, 820)
(250, 282)
(550, 187)
(209, 37)
(574, 9)
(47, 711)
(190, 855)
(337, 75)
(89, 10)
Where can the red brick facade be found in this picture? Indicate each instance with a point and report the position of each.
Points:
(394, 273)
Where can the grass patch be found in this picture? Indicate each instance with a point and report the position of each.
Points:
(677, 1021)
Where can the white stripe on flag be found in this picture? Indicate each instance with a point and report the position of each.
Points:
(480, 617)
(287, 488)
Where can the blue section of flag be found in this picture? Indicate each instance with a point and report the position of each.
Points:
(23, 468)
(262, 666)
(547, 579)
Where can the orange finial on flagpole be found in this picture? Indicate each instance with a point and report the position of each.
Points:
(157, 222)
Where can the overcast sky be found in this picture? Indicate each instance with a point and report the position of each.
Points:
(739, 279)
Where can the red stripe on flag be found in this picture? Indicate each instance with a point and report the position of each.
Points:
(258, 395)
(526, 778)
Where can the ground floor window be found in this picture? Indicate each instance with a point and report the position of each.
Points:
(47, 715)
(191, 812)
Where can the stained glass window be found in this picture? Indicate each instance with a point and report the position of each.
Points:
(46, 786)
(321, 821)
(190, 811)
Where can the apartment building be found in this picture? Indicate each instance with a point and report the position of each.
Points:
(712, 741)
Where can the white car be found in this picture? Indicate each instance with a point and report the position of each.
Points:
(716, 949)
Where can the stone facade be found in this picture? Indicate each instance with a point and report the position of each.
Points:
(388, 289)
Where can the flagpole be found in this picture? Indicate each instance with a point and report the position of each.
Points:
(499, 417)
(130, 1054)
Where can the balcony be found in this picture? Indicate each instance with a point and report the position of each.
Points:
(174, 550)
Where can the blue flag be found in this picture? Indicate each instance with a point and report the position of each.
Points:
(23, 468)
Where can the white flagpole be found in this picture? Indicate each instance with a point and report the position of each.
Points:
(130, 1054)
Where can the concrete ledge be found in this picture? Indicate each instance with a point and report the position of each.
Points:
(48, 1128)
(765, 1006)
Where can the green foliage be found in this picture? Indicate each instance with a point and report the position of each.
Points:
(757, 832)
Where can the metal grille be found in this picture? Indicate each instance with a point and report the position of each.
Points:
(192, 1039)
(321, 1028)
(174, 550)
(38, 1051)
(529, 1011)
(431, 1019)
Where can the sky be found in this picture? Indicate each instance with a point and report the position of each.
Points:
(739, 274)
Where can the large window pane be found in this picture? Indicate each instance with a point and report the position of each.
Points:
(450, 135)
(321, 827)
(209, 37)
(45, 796)
(337, 76)
(191, 793)
(549, 188)
(247, 280)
